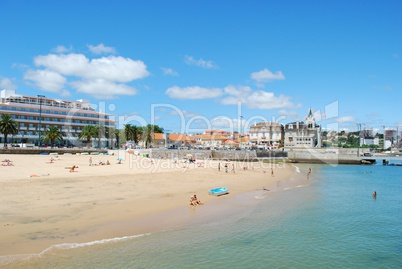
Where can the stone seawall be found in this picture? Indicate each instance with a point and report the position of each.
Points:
(200, 154)
(328, 156)
(35, 151)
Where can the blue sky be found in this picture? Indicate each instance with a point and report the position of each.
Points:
(192, 65)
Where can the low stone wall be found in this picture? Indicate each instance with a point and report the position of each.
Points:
(199, 154)
(271, 154)
(234, 155)
(175, 153)
(35, 151)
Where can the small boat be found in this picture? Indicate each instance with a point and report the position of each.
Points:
(219, 191)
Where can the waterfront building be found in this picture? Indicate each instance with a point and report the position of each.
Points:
(163, 140)
(303, 134)
(266, 135)
(35, 114)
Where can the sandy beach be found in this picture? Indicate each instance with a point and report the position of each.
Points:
(43, 202)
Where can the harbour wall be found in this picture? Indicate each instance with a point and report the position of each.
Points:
(330, 156)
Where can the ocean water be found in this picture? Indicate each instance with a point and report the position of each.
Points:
(334, 222)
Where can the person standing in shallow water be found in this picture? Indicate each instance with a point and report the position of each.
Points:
(374, 195)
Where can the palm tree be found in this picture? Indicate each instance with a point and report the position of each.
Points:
(128, 131)
(7, 126)
(148, 135)
(101, 131)
(136, 133)
(52, 134)
(87, 133)
(116, 133)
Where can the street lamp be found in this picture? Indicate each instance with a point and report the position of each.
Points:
(241, 123)
(358, 143)
(40, 115)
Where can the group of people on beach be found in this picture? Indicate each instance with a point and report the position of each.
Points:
(194, 201)
(99, 163)
(226, 167)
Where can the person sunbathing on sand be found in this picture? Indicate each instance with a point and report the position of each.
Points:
(192, 201)
(198, 202)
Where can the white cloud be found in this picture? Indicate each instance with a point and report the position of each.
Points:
(184, 113)
(194, 92)
(169, 71)
(62, 49)
(46, 80)
(265, 75)
(110, 68)
(345, 119)
(102, 89)
(200, 62)
(100, 77)
(101, 49)
(234, 95)
(255, 99)
(287, 114)
(6, 83)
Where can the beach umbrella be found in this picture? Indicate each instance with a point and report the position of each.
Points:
(120, 159)
(189, 155)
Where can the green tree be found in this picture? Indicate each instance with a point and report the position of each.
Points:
(132, 133)
(136, 133)
(128, 131)
(52, 134)
(116, 133)
(148, 133)
(88, 132)
(7, 126)
(101, 131)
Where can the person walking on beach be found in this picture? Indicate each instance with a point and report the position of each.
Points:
(233, 168)
(219, 167)
(90, 161)
(272, 172)
(226, 167)
(308, 173)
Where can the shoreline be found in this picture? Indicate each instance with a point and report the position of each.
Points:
(102, 202)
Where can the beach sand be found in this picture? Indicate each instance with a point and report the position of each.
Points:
(42, 203)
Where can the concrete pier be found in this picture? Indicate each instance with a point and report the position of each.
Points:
(327, 156)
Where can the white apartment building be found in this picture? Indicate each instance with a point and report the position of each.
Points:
(301, 134)
(32, 112)
(266, 135)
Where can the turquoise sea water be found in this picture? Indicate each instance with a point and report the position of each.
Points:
(332, 223)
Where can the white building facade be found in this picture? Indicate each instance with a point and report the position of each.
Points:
(301, 134)
(266, 135)
(35, 114)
